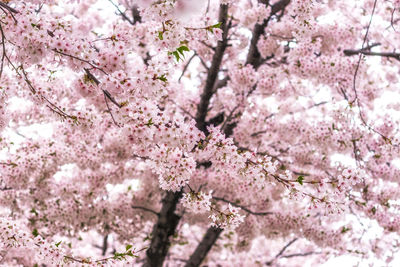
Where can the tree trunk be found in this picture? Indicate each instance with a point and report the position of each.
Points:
(163, 229)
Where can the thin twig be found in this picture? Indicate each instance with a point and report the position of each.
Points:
(145, 209)
(106, 93)
(10, 9)
(80, 59)
(212, 75)
(300, 254)
(86, 261)
(3, 44)
(242, 207)
(282, 251)
(122, 13)
(355, 77)
(186, 66)
(201, 61)
(108, 108)
(349, 52)
(39, 8)
(51, 105)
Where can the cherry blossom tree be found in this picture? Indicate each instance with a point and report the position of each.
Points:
(182, 133)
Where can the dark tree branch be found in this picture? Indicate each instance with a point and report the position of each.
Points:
(213, 71)
(201, 61)
(39, 8)
(124, 16)
(356, 99)
(207, 45)
(91, 76)
(300, 254)
(254, 57)
(186, 66)
(167, 221)
(204, 247)
(105, 245)
(10, 9)
(220, 83)
(281, 251)
(50, 105)
(360, 56)
(108, 108)
(80, 59)
(106, 93)
(136, 14)
(145, 209)
(227, 127)
(3, 55)
(5, 188)
(216, 120)
(163, 229)
(350, 52)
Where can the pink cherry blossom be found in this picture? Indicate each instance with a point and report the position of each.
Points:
(190, 133)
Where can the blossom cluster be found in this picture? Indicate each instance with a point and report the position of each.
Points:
(197, 202)
(228, 217)
(15, 240)
(272, 107)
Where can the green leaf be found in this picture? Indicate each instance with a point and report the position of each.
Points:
(160, 35)
(211, 27)
(300, 179)
(35, 25)
(128, 247)
(162, 78)
(58, 243)
(345, 229)
(35, 232)
(218, 25)
(182, 48)
(119, 256)
(150, 122)
(33, 210)
(179, 52)
(175, 53)
(373, 210)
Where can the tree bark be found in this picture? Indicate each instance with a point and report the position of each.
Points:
(167, 219)
(253, 56)
(254, 59)
(163, 230)
(204, 247)
(212, 75)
